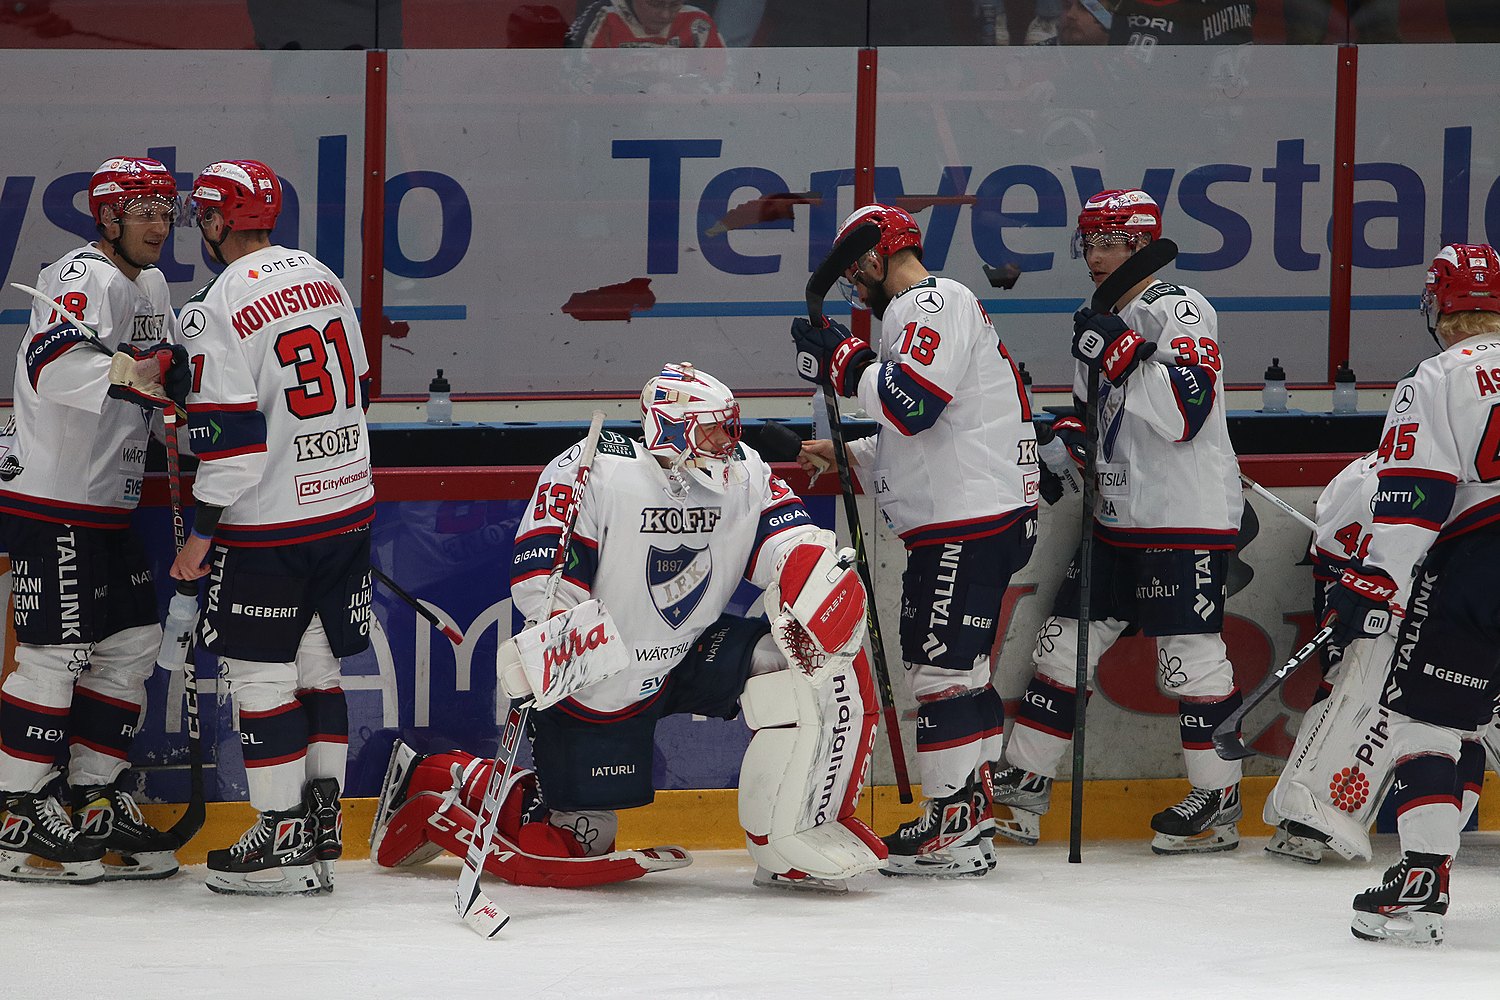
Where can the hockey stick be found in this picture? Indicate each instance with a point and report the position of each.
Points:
(855, 244)
(1140, 266)
(91, 336)
(1229, 743)
(420, 608)
(192, 818)
(1300, 517)
(478, 911)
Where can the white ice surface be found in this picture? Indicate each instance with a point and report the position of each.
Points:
(1124, 924)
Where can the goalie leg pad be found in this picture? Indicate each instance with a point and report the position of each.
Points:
(431, 820)
(1342, 761)
(804, 769)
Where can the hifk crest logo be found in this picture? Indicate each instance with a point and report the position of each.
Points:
(677, 580)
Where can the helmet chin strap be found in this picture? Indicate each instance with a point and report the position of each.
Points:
(115, 245)
(214, 245)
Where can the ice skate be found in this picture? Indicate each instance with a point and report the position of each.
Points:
(1293, 842)
(393, 795)
(798, 882)
(39, 844)
(326, 816)
(1408, 907)
(274, 858)
(107, 815)
(1026, 797)
(943, 842)
(1202, 823)
(984, 813)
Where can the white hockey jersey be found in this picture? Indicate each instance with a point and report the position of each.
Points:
(664, 567)
(79, 455)
(1439, 457)
(955, 456)
(1342, 516)
(277, 408)
(1167, 475)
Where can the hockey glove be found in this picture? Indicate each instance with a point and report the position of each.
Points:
(1360, 606)
(1103, 341)
(135, 376)
(178, 378)
(831, 355)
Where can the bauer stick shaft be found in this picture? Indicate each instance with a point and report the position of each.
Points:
(478, 911)
(1285, 507)
(855, 244)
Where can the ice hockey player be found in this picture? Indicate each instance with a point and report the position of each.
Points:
(284, 503)
(953, 467)
(85, 609)
(1433, 552)
(666, 530)
(1167, 511)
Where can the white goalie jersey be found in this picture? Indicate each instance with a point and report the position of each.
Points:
(1167, 474)
(664, 567)
(955, 456)
(79, 455)
(277, 408)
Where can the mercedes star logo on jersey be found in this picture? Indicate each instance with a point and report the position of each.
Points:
(929, 300)
(1186, 312)
(192, 323)
(72, 269)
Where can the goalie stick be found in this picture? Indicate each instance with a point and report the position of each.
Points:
(478, 911)
(855, 244)
(1137, 268)
(1229, 742)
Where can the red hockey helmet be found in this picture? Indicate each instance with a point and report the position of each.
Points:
(898, 230)
(245, 192)
(1464, 277)
(122, 180)
(1116, 216)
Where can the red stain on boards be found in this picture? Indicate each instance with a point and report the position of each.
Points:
(611, 301)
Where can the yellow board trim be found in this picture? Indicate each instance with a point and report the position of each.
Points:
(707, 820)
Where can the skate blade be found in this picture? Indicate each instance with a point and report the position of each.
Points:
(1019, 826)
(1418, 929)
(293, 880)
(144, 867)
(18, 867)
(1211, 841)
(325, 874)
(808, 884)
(951, 862)
(1298, 849)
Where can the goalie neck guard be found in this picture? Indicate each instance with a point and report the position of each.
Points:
(692, 421)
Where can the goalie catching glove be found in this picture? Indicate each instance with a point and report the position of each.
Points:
(816, 603)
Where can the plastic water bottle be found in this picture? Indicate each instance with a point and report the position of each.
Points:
(1026, 385)
(1273, 396)
(439, 402)
(177, 630)
(1345, 390)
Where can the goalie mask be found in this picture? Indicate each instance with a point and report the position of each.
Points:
(692, 420)
(1464, 277)
(1117, 216)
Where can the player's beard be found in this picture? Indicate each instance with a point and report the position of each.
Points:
(875, 295)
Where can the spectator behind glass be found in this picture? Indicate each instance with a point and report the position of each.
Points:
(1084, 22)
(1182, 22)
(536, 26)
(622, 24)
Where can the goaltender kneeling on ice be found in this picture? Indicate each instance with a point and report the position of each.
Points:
(662, 532)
